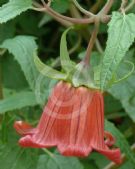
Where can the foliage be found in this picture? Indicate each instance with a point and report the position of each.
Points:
(26, 33)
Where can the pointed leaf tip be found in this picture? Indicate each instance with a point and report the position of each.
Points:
(47, 70)
(66, 63)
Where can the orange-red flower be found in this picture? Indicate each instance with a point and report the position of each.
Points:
(73, 120)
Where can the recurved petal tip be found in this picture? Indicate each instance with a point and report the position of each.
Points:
(110, 140)
(23, 128)
(25, 141)
(114, 155)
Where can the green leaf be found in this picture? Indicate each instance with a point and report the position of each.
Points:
(125, 90)
(126, 165)
(121, 36)
(58, 162)
(11, 72)
(17, 101)
(66, 63)
(23, 48)
(14, 157)
(48, 71)
(121, 142)
(14, 8)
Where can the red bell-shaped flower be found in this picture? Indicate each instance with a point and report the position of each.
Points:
(73, 120)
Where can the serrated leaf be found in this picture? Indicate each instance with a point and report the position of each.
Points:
(66, 63)
(47, 70)
(125, 90)
(121, 36)
(58, 162)
(17, 101)
(120, 141)
(13, 8)
(23, 48)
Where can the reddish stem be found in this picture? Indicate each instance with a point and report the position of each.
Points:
(91, 42)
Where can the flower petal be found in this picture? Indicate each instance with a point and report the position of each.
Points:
(73, 120)
(79, 140)
(23, 128)
(110, 140)
(114, 154)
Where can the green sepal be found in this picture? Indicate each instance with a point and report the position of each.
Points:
(47, 70)
(83, 75)
(97, 72)
(66, 63)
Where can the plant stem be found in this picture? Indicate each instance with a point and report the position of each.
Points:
(69, 20)
(130, 6)
(56, 15)
(123, 5)
(48, 152)
(74, 12)
(96, 6)
(62, 21)
(107, 7)
(82, 9)
(91, 42)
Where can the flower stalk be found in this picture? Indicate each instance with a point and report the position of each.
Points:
(92, 42)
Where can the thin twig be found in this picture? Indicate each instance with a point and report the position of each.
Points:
(69, 20)
(48, 152)
(74, 12)
(123, 5)
(82, 9)
(91, 42)
(107, 7)
(73, 20)
(96, 6)
(40, 8)
(131, 5)
(43, 2)
(55, 14)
